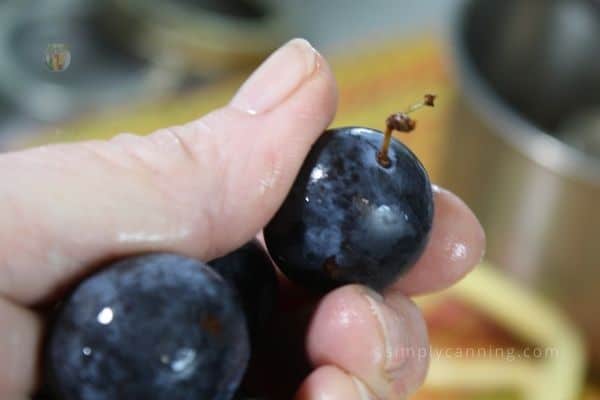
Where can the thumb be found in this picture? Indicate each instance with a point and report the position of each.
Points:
(200, 189)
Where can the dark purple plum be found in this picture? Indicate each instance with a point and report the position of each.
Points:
(156, 326)
(244, 396)
(250, 271)
(359, 211)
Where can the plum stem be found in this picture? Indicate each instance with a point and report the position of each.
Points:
(400, 122)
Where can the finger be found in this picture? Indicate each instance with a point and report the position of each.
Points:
(331, 383)
(456, 245)
(381, 341)
(19, 346)
(200, 189)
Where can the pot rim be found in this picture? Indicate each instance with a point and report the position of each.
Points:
(524, 136)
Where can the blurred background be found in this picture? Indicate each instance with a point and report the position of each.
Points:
(516, 134)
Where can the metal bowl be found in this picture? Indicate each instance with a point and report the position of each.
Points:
(98, 74)
(525, 69)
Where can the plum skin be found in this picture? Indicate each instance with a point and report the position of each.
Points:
(347, 218)
(156, 326)
(250, 271)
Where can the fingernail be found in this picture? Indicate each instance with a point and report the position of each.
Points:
(277, 78)
(393, 331)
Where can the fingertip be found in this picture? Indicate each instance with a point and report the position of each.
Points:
(292, 67)
(329, 382)
(380, 340)
(452, 206)
(455, 247)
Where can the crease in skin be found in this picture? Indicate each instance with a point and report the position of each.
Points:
(409, 376)
(363, 391)
(391, 352)
(150, 237)
(376, 311)
(167, 137)
(394, 375)
(182, 142)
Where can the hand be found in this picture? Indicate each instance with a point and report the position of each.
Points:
(203, 189)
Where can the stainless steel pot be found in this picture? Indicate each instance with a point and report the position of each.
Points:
(525, 69)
